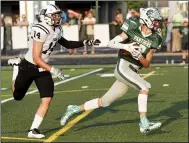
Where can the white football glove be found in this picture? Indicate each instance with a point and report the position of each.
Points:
(57, 73)
(130, 47)
(95, 42)
(136, 53)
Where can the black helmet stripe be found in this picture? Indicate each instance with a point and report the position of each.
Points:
(54, 6)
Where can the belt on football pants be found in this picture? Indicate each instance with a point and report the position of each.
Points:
(132, 68)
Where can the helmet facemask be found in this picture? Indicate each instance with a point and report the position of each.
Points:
(53, 19)
(52, 15)
(157, 25)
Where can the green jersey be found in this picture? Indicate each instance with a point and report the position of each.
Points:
(146, 42)
(184, 32)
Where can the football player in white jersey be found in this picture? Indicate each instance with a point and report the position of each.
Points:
(34, 67)
(145, 39)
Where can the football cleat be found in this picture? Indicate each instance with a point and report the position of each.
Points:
(35, 133)
(14, 61)
(71, 110)
(144, 128)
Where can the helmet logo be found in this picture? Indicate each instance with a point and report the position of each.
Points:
(149, 12)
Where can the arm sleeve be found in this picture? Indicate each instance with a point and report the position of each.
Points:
(115, 43)
(70, 44)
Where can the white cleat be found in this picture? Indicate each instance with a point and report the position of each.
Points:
(14, 61)
(70, 111)
(35, 133)
(149, 127)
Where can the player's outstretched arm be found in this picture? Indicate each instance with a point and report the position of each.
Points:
(115, 43)
(77, 44)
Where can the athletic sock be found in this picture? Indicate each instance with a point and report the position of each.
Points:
(36, 122)
(15, 72)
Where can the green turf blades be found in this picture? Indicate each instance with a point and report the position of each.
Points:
(119, 121)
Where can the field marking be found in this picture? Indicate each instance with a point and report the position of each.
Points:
(3, 89)
(112, 75)
(57, 83)
(165, 85)
(149, 74)
(68, 126)
(23, 139)
(69, 91)
(77, 119)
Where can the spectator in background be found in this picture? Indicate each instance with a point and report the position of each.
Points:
(86, 13)
(176, 39)
(64, 17)
(15, 19)
(22, 22)
(119, 15)
(2, 20)
(74, 14)
(89, 21)
(69, 18)
(72, 21)
(80, 18)
(73, 18)
(4, 34)
(184, 35)
(168, 35)
(118, 18)
(134, 15)
(8, 25)
(116, 24)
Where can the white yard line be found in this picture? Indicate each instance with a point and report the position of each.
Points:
(112, 75)
(57, 83)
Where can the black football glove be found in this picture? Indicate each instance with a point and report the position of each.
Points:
(95, 42)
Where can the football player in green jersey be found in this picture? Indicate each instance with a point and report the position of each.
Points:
(143, 39)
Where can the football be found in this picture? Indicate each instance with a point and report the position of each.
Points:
(125, 52)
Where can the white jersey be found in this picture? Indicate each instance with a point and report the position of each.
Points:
(42, 32)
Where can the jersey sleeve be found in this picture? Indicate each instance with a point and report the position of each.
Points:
(157, 41)
(129, 25)
(38, 34)
(125, 26)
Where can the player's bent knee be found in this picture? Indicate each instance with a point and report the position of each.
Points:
(46, 100)
(144, 91)
(105, 103)
(18, 97)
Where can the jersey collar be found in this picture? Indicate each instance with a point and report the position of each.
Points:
(144, 35)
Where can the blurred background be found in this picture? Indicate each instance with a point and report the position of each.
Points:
(17, 18)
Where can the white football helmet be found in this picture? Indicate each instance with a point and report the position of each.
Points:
(40, 16)
(151, 18)
(51, 15)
